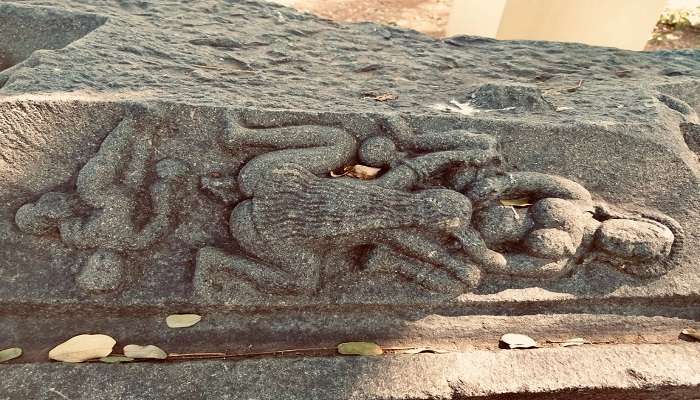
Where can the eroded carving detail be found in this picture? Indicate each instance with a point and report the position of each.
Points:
(564, 228)
(434, 215)
(691, 134)
(292, 216)
(108, 211)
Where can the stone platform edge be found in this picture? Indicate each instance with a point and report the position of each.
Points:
(634, 371)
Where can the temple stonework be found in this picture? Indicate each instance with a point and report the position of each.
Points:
(201, 157)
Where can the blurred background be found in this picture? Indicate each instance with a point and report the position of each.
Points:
(628, 24)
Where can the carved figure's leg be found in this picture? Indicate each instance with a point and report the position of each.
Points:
(139, 157)
(266, 278)
(164, 198)
(527, 266)
(446, 213)
(319, 149)
(279, 268)
(432, 278)
(416, 246)
(99, 187)
(97, 182)
(412, 244)
(476, 248)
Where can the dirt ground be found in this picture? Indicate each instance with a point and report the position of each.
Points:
(427, 16)
(430, 17)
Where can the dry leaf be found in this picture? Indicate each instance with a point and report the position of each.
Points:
(10, 354)
(363, 172)
(360, 349)
(574, 342)
(693, 333)
(517, 341)
(150, 351)
(116, 359)
(182, 320)
(419, 350)
(386, 97)
(82, 348)
(381, 97)
(521, 202)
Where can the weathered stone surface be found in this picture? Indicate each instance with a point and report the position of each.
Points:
(162, 158)
(635, 372)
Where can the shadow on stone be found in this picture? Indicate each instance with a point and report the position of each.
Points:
(25, 30)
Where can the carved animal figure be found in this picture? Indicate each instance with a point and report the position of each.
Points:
(292, 215)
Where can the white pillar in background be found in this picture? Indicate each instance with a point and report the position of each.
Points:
(625, 24)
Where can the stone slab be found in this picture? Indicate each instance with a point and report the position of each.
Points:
(193, 75)
(262, 55)
(667, 180)
(274, 331)
(132, 136)
(628, 372)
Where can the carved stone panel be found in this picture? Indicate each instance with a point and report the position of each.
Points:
(299, 183)
(238, 208)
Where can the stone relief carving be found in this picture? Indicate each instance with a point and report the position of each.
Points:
(563, 228)
(434, 215)
(292, 215)
(108, 212)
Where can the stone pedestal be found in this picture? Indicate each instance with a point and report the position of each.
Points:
(301, 183)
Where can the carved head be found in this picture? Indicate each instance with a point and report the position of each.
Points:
(639, 247)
